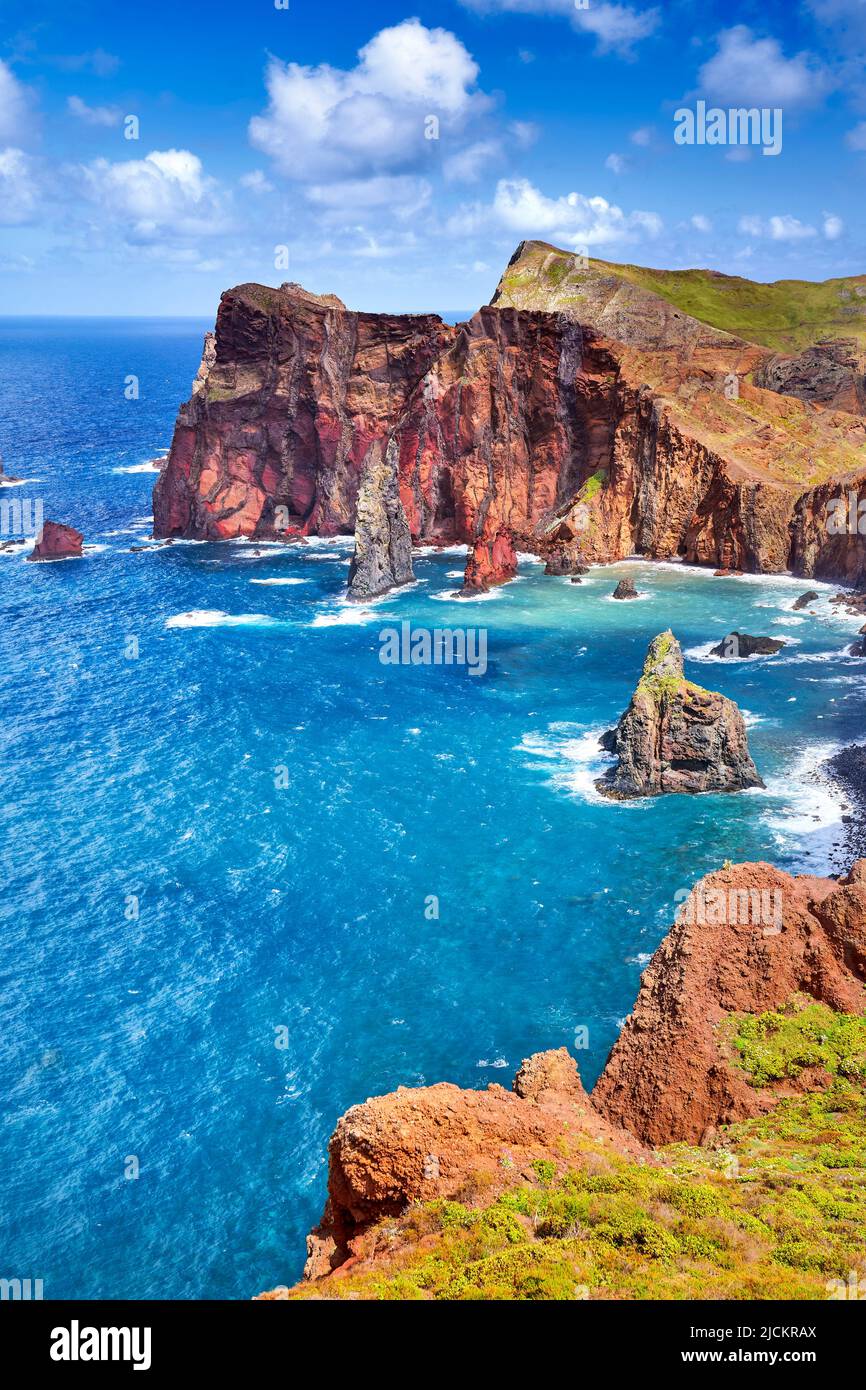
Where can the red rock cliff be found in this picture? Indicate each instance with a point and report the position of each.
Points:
(518, 420)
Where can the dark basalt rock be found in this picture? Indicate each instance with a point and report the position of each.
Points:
(805, 599)
(383, 545)
(739, 645)
(675, 736)
(626, 589)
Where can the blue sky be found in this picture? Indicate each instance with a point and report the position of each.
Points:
(400, 151)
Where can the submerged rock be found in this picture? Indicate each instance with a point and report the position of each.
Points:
(739, 645)
(676, 736)
(383, 545)
(492, 560)
(57, 543)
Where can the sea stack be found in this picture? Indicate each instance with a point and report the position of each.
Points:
(57, 543)
(625, 589)
(492, 560)
(383, 544)
(675, 736)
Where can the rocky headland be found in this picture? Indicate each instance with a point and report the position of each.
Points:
(675, 736)
(586, 416)
(721, 1153)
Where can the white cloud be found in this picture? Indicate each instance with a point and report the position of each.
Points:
(323, 122)
(856, 138)
(779, 228)
(468, 165)
(525, 133)
(166, 193)
(616, 164)
(256, 182)
(756, 71)
(643, 136)
(832, 226)
(616, 27)
(403, 195)
(19, 189)
(14, 107)
(701, 223)
(573, 220)
(94, 115)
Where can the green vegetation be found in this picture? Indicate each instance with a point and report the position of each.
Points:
(778, 1046)
(776, 1214)
(787, 315)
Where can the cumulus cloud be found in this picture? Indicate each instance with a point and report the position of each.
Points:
(14, 107)
(411, 83)
(756, 71)
(701, 223)
(779, 228)
(19, 188)
(616, 164)
(94, 115)
(165, 194)
(571, 220)
(617, 28)
(469, 164)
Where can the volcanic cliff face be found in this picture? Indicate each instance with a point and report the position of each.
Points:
(675, 736)
(521, 420)
(286, 407)
(748, 939)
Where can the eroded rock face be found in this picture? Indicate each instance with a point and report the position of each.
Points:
(625, 589)
(747, 940)
(437, 1141)
(287, 405)
(676, 736)
(830, 372)
(57, 542)
(521, 419)
(738, 646)
(383, 545)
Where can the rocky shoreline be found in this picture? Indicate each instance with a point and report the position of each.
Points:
(748, 940)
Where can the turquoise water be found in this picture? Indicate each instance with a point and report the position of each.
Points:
(284, 807)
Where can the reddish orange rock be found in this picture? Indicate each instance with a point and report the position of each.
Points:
(57, 543)
(492, 560)
(747, 940)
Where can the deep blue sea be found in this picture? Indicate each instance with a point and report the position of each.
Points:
(294, 906)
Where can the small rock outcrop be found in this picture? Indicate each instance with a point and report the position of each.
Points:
(626, 589)
(492, 560)
(737, 646)
(383, 545)
(805, 600)
(562, 560)
(57, 543)
(420, 1144)
(676, 736)
(748, 939)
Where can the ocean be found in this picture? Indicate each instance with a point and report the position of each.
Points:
(251, 875)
